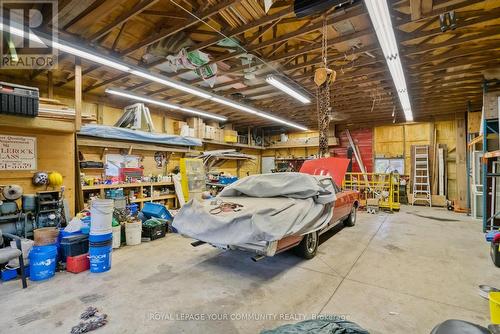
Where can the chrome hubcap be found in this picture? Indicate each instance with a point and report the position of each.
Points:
(353, 215)
(311, 242)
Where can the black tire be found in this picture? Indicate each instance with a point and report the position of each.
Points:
(308, 246)
(350, 221)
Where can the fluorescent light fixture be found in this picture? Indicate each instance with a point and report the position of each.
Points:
(66, 47)
(256, 112)
(117, 64)
(171, 83)
(381, 20)
(281, 85)
(161, 103)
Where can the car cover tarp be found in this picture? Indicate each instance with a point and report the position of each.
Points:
(274, 206)
(319, 326)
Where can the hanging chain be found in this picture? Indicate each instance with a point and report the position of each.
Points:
(323, 99)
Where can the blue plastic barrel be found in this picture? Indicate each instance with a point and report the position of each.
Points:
(42, 262)
(100, 256)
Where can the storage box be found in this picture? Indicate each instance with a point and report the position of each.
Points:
(230, 136)
(156, 210)
(154, 232)
(74, 245)
(78, 264)
(8, 274)
(191, 132)
(177, 126)
(219, 135)
(209, 132)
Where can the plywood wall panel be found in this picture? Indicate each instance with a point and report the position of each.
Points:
(55, 152)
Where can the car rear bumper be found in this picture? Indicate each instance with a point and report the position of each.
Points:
(265, 248)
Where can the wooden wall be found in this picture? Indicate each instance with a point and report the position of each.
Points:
(55, 152)
(395, 141)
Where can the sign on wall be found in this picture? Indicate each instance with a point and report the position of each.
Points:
(17, 153)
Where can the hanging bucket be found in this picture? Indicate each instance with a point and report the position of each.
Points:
(100, 256)
(117, 236)
(42, 262)
(101, 216)
(133, 232)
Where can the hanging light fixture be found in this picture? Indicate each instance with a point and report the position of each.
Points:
(90, 55)
(381, 20)
(288, 89)
(161, 103)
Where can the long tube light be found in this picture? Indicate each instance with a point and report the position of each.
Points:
(381, 20)
(161, 103)
(135, 70)
(278, 83)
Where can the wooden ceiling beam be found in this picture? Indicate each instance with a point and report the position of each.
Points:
(121, 19)
(203, 14)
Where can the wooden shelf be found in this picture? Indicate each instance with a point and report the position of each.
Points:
(126, 185)
(158, 198)
(233, 144)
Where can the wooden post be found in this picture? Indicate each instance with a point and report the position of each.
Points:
(100, 113)
(460, 161)
(78, 94)
(50, 85)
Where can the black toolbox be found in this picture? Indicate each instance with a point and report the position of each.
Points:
(74, 245)
(18, 100)
(154, 232)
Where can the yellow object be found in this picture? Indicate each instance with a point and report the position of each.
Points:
(55, 179)
(375, 185)
(230, 136)
(495, 307)
(192, 178)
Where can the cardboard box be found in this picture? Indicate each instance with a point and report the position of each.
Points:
(219, 135)
(177, 126)
(209, 132)
(230, 136)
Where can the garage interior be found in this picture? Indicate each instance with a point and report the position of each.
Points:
(250, 166)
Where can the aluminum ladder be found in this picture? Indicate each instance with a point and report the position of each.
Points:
(421, 183)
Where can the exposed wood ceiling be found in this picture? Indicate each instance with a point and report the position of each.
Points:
(443, 69)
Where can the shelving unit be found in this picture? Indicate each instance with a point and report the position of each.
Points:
(140, 187)
(490, 175)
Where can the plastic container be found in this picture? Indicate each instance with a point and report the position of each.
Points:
(74, 245)
(117, 236)
(156, 210)
(133, 208)
(495, 307)
(78, 264)
(100, 237)
(133, 232)
(154, 232)
(85, 225)
(8, 274)
(101, 216)
(100, 257)
(42, 262)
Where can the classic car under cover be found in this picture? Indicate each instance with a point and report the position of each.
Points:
(273, 206)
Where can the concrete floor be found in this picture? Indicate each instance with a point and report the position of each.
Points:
(399, 273)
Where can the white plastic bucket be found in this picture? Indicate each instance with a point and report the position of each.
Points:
(133, 232)
(117, 236)
(101, 216)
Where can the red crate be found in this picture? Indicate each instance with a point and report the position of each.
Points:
(77, 264)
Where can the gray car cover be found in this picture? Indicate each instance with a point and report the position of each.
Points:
(273, 206)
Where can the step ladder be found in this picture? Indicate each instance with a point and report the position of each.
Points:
(421, 184)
